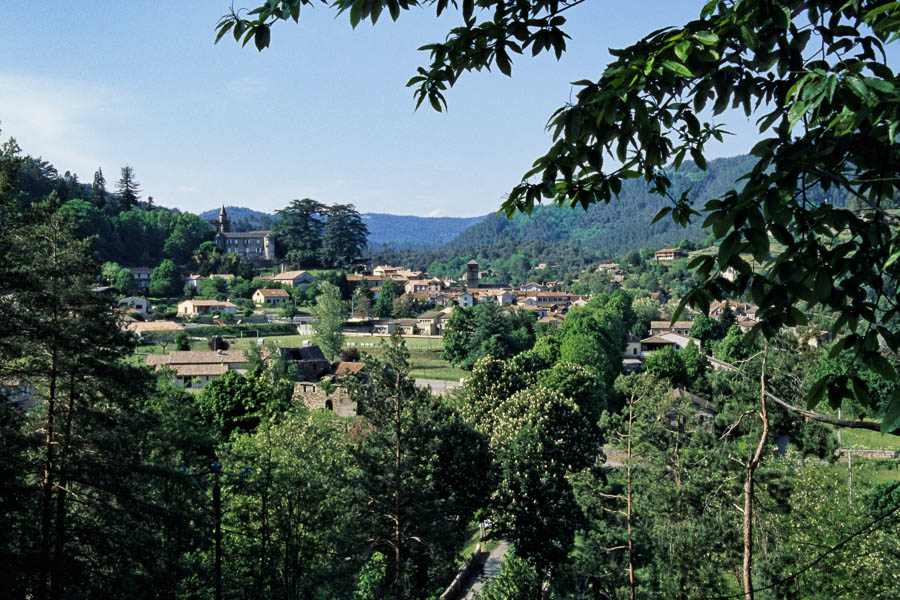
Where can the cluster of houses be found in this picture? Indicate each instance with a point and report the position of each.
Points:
(318, 382)
(676, 335)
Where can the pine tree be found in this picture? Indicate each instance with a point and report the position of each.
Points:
(99, 189)
(129, 189)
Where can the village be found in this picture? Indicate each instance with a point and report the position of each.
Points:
(546, 302)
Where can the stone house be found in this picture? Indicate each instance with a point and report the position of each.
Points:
(466, 300)
(632, 347)
(669, 254)
(308, 361)
(679, 327)
(533, 287)
(297, 279)
(194, 369)
(655, 342)
(270, 297)
(430, 323)
(384, 327)
(407, 326)
(141, 276)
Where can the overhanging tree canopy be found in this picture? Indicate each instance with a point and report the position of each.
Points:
(814, 73)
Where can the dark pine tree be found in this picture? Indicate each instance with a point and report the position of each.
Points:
(129, 189)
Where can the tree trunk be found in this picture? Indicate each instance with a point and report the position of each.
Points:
(47, 481)
(631, 581)
(59, 549)
(398, 555)
(747, 573)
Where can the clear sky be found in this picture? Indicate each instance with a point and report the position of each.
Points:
(323, 113)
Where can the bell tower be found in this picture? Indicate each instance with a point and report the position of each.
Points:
(472, 275)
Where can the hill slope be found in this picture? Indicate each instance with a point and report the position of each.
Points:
(384, 229)
(613, 228)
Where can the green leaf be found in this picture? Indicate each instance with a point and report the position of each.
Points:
(468, 9)
(678, 68)
(261, 37)
(662, 213)
(356, 13)
(816, 393)
(502, 60)
(890, 423)
(822, 286)
(728, 249)
(223, 30)
(707, 38)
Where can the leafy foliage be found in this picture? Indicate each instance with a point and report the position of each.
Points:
(330, 313)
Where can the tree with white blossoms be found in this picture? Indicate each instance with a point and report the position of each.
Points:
(539, 439)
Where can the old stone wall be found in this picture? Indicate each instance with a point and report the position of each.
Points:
(312, 397)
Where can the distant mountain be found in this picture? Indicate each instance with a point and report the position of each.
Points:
(623, 224)
(384, 230)
(405, 230)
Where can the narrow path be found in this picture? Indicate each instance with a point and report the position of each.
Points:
(491, 569)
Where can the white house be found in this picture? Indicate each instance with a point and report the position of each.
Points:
(139, 304)
(466, 300)
(205, 307)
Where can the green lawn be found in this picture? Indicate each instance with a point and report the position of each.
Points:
(427, 364)
(867, 471)
(869, 440)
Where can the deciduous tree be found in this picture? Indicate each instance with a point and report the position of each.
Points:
(330, 314)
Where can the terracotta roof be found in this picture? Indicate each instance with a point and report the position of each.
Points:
(224, 303)
(192, 357)
(675, 325)
(431, 315)
(286, 275)
(273, 293)
(141, 327)
(347, 368)
(198, 370)
(657, 340)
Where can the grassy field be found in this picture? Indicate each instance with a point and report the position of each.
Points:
(427, 364)
(867, 470)
(869, 440)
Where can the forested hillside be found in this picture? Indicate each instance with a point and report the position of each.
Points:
(384, 229)
(617, 227)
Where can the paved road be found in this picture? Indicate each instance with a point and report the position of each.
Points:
(491, 569)
(438, 386)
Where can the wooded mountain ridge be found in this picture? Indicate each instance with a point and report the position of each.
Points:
(603, 229)
(384, 229)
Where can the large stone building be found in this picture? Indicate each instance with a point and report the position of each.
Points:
(254, 245)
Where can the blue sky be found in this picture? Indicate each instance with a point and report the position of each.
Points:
(323, 113)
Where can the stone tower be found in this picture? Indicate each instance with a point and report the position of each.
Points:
(472, 275)
(223, 220)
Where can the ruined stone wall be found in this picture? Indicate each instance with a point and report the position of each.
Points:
(312, 397)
